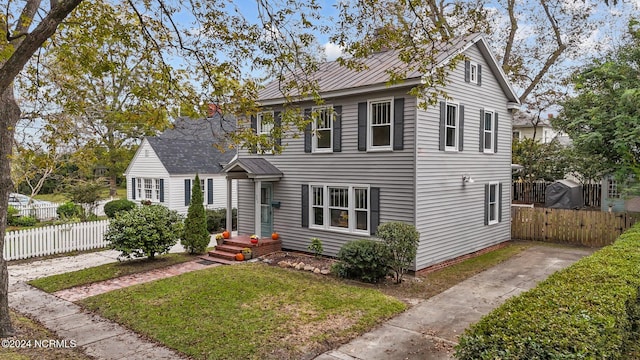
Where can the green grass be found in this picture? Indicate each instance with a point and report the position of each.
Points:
(61, 197)
(105, 272)
(250, 311)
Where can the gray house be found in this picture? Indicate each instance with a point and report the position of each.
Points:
(372, 156)
(164, 167)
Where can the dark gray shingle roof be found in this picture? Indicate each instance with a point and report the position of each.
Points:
(253, 167)
(189, 147)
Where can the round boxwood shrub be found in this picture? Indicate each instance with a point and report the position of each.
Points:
(144, 231)
(69, 210)
(365, 260)
(113, 207)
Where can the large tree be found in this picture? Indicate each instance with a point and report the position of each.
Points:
(603, 117)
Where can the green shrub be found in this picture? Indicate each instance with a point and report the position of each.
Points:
(217, 220)
(401, 240)
(195, 238)
(12, 212)
(113, 207)
(365, 260)
(23, 221)
(315, 246)
(590, 310)
(144, 231)
(69, 210)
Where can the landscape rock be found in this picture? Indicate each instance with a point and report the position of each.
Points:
(299, 266)
(316, 271)
(283, 264)
(324, 272)
(308, 268)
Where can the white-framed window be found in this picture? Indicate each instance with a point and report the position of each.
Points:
(488, 132)
(492, 203)
(323, 128)
(264, 125)
(380, 124)
(473, 72)
(612, 189)
(516, 134)
(451, 127)
(340, 207)
(148, 189)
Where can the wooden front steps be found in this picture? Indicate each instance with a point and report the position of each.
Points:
(226, 253)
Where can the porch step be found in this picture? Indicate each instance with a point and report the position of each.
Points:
(230, 256)
(225, 247)
(217, 260)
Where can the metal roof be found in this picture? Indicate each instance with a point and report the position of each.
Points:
(333, 77)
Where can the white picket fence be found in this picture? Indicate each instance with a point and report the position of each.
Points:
(49, 240)
(48, 211)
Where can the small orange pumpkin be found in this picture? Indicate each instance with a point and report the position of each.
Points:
(275, 236)
(239, 257)
(225, 234)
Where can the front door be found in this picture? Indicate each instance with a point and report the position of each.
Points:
(266, 211)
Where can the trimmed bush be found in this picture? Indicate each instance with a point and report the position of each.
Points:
(195, 237)
(365, 260)
(217, 220)
(11, 214)
(23, 221)
(113, 207)
(69, 210)
(401, 240)
(590, 310)
(144, 231)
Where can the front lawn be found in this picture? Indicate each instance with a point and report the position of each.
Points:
(107, 271)
(249, 311)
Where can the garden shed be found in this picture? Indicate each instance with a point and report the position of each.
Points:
(564, 194)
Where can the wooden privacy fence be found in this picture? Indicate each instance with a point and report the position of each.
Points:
(575, 227)
(48, 240)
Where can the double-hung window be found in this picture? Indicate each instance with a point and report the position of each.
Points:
(265, 124)
(488, 131)
(493, 203)
(139, 187)
(473, 73)
(380, 122)
(148, 189)
(323, 129)
(340, 207)
(451, 127)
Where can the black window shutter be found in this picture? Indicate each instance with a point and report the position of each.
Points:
(337, 129)
(187, 192)
(374, 213)
(495, 132)
(461, 129)
(254, 126)
(443, 115)
(486, 204)
(307, 131)
(161, 190)
(209, 191)
(467, 71)
(479, 74)
(305, 206)
(398, 124)
(362, 126)
(277, 122)
(481, 130)
(133, 188)
(500, 202)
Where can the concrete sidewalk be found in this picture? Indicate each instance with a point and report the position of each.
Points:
(429, 330)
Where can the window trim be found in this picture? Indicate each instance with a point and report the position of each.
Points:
(314, 129)
(141, 189)
(496, 202)
(259, 131)
(326, 214)
(473, 75)
(492, 132)
(457, 127)
(370, 146)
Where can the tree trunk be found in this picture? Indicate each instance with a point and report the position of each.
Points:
(113, 187)
(9, 116)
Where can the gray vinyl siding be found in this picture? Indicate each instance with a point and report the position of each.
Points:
(392, 172)
(450, 216)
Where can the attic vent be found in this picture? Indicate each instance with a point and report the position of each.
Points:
(146, 153)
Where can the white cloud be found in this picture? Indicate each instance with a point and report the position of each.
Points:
(332, 51)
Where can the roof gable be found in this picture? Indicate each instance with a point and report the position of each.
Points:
(332, 78)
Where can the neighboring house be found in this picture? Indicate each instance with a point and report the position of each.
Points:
(526, 126)
(164, 167)
(613, 200)
(372, 156)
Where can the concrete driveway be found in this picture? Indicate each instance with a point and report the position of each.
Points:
(430, 329)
